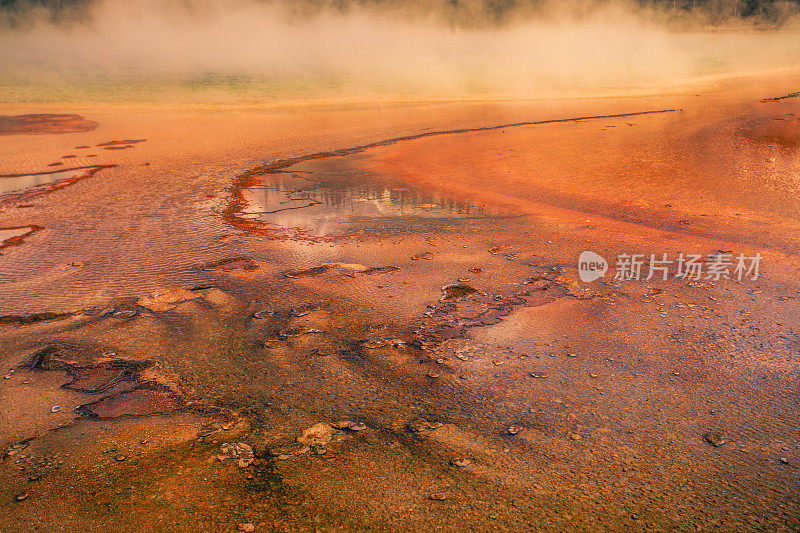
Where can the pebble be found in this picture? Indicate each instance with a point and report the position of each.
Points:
(439, 496)
(460, 462)
(513, 430)
(538, 374)
(246, 527)
(374, 343)
(275, 343)
(21, 496)
(784, 460)
(125, 314)
(240, 451)
(265, 313)
(357, 426)
(55, 409)
(715, 438)
(120, 457)
(433, 374)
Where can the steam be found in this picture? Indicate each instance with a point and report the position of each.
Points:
(271, 51)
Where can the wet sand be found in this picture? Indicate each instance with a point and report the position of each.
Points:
(382, 303)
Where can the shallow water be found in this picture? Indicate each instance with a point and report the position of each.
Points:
(412, 349)
(334, 198)
(25, 182)
(6, 234)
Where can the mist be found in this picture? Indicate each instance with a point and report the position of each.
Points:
(275, 51)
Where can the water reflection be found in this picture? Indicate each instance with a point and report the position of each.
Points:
(19, 183)
(331, 201)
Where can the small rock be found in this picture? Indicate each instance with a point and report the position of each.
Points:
(317, 435)
(246, 527)
(715, 438)
(55, 409)
(540, 375)
(513, 430)
(357, 426)
(373, 343)
(275, 343)
(784, 460)
(575, 436)
(434, 374)
(460, 462)
(125, 314)
(21, 496)
(120, 457)
(240, 451)
(439, 496)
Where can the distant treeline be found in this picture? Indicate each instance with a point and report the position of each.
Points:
(469, 13)
(732, 8)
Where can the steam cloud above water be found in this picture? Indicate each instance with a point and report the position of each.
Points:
(247, 45)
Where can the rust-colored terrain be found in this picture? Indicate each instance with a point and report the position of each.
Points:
(376, 322)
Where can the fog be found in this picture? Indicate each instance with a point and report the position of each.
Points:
(367, 52)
